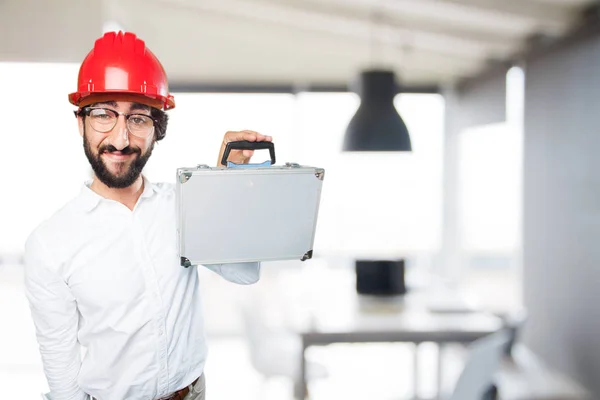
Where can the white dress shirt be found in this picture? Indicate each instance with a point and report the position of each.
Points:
(101, 276)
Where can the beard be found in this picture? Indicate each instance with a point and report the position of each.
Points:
(124, 178)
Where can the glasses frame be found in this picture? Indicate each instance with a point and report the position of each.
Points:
(87, 110)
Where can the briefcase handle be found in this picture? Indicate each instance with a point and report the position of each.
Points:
(247, 145)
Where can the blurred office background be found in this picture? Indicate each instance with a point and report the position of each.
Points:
(494, 212)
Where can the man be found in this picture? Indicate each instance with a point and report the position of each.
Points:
(103, 272)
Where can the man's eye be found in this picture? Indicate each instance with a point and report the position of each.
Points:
(101, 115)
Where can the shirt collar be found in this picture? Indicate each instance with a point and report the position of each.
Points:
(88, 199)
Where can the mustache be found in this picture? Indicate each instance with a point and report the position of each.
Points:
(109, 148)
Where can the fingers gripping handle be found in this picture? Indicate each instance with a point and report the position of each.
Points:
(247, 145)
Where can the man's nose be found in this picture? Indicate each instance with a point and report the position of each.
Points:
(119, 136)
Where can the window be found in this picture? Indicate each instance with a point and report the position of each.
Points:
(375, 203)
(490, 174)
(489, 180)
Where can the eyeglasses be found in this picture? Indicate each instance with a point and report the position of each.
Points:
(103, 120)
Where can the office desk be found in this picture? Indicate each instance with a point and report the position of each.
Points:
(342, 316)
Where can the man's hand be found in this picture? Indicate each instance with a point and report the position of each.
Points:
(241, 156)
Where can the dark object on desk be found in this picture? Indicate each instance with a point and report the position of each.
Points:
(380, 277)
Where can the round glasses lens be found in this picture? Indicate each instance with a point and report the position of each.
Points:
(102, 120)
(140, 125)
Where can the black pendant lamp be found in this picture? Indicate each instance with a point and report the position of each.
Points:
(377, 126)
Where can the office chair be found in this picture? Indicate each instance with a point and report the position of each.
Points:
(274, 351)
(483, 361)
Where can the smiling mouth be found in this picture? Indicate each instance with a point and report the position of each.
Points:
(118, 156)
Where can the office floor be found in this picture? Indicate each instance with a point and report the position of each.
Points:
(354, 371)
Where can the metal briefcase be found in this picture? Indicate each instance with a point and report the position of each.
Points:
(244, 213)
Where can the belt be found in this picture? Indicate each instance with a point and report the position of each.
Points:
(180, 394)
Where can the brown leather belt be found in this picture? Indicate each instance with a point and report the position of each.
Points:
(180, 394)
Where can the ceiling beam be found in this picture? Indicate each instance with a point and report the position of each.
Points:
(391, 14)
(225, 49)
(552, 18)
(361, 29)
(586, 24)
(488, 17)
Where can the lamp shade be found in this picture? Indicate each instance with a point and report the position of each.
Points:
(377, 126)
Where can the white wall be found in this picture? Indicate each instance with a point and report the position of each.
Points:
(562, 209)
(42, 163)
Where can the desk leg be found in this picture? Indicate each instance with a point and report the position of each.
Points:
(416, 380)
(440, 368)
(302, 390)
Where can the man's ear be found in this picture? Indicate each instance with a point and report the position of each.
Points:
(80, 124)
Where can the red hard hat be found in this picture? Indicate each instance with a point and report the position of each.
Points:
(121, 63)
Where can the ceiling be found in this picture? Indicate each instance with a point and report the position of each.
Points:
(292, 42)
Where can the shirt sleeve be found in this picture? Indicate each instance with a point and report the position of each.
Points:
(55, 317)
(241, 273)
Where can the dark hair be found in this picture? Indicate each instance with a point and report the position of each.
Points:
(161, 119)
